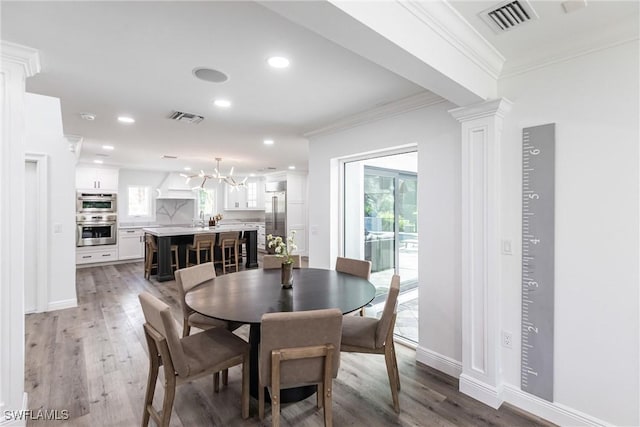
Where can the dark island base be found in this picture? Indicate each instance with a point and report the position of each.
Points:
(164, 269)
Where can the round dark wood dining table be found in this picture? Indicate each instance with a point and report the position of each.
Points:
(246, 295)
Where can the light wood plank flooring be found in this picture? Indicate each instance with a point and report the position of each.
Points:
(92, 361)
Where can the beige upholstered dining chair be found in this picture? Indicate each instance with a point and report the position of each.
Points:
(355, 267)
(186, 359)
(370, 335)
(273, 261)
(296, 349)
(187, 279)
(203, 242)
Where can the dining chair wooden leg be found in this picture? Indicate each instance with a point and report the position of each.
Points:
(327, 387)
(395, 363)
(245, 385)
(167, 403)
(393, 382)
(320, 395)
(260, 401)
(154, 367)
(275, 388)
(186, 328)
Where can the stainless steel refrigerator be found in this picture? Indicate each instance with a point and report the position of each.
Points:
(275, 210)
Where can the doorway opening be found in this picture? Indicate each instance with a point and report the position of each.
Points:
(381, 225)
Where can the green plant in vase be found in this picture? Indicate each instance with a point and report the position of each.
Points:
(284, 249)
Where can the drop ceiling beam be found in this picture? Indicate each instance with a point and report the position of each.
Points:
(427, 43)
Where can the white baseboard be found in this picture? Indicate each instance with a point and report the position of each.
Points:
(61, 305)
(438, 361)
(554, 412)
(16, 423)
(485, 393)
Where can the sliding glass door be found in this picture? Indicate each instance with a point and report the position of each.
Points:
(381, 213)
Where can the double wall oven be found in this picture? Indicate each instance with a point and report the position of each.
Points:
(96, 219)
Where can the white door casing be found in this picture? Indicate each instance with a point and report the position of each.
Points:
(37, 235)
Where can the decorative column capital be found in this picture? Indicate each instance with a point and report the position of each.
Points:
(17, 54)
(496, 107)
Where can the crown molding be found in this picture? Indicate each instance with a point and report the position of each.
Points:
(496, 107)
(442, 18)
(410, 103)
(17, 54)
(626, 32)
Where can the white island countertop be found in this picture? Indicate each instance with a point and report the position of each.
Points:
(189, 231)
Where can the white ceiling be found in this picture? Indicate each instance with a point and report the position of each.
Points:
(137, 58)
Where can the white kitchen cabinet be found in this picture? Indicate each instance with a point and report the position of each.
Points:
(96, 179)
(250, 197)
(130, 243)
(95, 254)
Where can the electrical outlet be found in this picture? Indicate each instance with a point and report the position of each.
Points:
(507, 339)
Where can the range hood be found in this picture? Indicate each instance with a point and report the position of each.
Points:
(174, 187)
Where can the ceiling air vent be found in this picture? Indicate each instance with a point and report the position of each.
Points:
(186, 117)
(166, 156)
(508, 15)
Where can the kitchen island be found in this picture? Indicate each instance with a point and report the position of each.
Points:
(183, 236)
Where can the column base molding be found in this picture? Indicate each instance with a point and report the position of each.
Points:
(485, 393)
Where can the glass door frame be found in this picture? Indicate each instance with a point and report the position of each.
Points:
(405, 149)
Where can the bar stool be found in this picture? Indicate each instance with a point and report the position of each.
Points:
(242, 245)
(228, 244)
(201, 242)
(152, 249)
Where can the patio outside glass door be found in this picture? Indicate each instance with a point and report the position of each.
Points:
(381, 225)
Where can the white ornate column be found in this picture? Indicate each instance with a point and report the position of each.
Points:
(481, 281)
(18, 63)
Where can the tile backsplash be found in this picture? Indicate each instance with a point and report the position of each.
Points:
(174, 211)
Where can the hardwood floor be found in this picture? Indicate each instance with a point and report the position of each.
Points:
(92, 361)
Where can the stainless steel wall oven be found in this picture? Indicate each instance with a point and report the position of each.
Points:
(96, 203)
(96, 229)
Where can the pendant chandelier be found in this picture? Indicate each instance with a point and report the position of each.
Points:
(228, 179)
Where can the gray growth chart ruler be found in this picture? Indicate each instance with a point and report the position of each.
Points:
(538, 205)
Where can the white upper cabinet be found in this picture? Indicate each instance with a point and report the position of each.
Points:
(250, 197)
(96, 179)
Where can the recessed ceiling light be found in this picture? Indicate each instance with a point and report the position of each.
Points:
(222, 103)
(108, 147)
(98, 161)
(278, 62)
(268, 142)
(292, 167)
(187, 168)
(252, 174)
(125, 119)
(210, 75)
(88, 116)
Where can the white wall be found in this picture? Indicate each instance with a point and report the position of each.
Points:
(43, 121)
(437, 137)
(127, 177)
(593, 100)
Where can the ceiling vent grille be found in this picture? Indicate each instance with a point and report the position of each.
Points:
(508, 15)
(186, 117)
